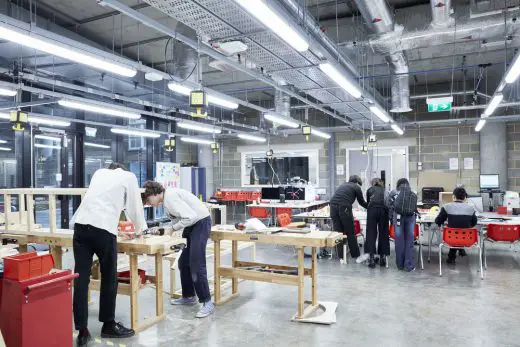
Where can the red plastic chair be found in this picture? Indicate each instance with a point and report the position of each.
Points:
(255, 196)
(242, 196)
(460, 238)
(283, 210)
(284, 220)
(416, 234)
(506, 233)
(260, 213)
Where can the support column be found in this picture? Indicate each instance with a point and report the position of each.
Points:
(205, 160)
(493, 152)
(150, 159)
(332, 164)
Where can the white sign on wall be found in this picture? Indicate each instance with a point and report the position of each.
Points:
(468, 163)
(454, 163)
(340, 169)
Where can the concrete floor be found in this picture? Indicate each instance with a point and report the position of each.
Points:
(381, 307)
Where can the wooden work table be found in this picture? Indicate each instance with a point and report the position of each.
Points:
(288, 275)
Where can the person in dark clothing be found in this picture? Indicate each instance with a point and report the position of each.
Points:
(377, 219)
(459, 215)
(341, 210)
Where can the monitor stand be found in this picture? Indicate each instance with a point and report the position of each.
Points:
(490, 192)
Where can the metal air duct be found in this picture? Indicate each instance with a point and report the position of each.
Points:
(282, 103)
(441, 11)
(379, 20)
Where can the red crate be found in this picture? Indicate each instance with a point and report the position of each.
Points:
(37, 312)
(25, 266)
(502, 210)
(124, 276)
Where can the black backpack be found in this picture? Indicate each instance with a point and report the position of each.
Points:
(405, 203)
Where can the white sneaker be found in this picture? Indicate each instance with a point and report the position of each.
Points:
(206, 309)
(362, 258)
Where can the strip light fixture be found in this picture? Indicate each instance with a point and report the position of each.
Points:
(135, 132)
(46, 137)
(96, 145)
(514, 71)
(493, 104)
(196, 140)
(319, 133)
(66, 52)
(397, 129)
(5, 116)
(198, 127)
(251, 138)
(5, 149)
(181, 89)
(106, 110)
(3, 141)
(4, 91)
(40, 145)
(285, 121)
(48, 121)
(379, 113)
(340, 80)
(273, 21)
(480, 124)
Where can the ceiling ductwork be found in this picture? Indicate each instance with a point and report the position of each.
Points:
(380, 21)
(282, 104)
(441, 11)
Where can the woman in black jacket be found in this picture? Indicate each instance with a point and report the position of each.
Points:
(377, 221)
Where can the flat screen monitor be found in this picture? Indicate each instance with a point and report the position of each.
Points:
(489, 182)
(294, 193)
(271, 193)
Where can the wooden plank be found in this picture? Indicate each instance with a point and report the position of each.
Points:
(239, 264)
(7, 210)
(45, 191)
(216, 263)
(30, 211)
(57, 254)
(314, 277)
(299, 281)
(312, 239)
(52, 213)
(159, 302)
(227, 298)
(148, 323)
(134, 294)
(21, 209)
(234, 258)
(257, 276)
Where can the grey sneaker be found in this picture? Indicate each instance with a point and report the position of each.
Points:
(184, 301)
(362, 258)
(206, 309)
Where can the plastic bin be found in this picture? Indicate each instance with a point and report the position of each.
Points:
(124, 276)
(25, 266)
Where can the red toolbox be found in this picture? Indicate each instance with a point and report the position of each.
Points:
(38, 311)
(24, 266)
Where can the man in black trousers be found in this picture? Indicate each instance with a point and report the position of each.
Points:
(95, 232)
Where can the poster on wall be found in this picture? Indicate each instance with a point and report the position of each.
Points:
(340, 169)
(454, 163)
(468, 163)
(168, 174)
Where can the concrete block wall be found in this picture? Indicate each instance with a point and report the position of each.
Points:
(513, 156)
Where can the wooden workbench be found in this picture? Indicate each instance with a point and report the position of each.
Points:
(288, 275)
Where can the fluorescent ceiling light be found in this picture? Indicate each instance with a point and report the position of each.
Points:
(5, 149)
(320, 134)
(39, 145)
(198, 127)
(251, 138)
(135, 132)
(181, 89)
(286, 121)
(514, 71)
(3, 141)
(7, 91)
(398, 130)
(46, 137)
(273, 21)
(495, 101)
(48, 121)
(380, 114)
(153, 76)
(106, 110)
(480, 125)
(196, 140)
(97, 145)
(5, 116)
(60, 50)
(338, 77)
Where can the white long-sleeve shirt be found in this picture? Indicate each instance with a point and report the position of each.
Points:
(110, 192)
(184, 208)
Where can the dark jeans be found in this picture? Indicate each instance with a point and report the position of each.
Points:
(87, 241)
(343, 222)
(404, 241)
(192, 262)
(377, 220)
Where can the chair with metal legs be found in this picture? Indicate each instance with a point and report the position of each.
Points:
(460, 239)
(503, 233)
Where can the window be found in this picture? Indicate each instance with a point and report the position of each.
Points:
(98, 152)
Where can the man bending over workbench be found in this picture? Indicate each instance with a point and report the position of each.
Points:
(188, 213)
(95, 232)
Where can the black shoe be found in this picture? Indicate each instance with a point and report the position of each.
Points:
(83, 340)
(382, 261)
(371, 262)
(451, 261)
(462, 253)
(115, 331)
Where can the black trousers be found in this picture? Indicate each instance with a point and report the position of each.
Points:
(343, 222)
(377, 222)
(87, 241)
(192, 262)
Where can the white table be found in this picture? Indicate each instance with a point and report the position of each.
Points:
(292, 205)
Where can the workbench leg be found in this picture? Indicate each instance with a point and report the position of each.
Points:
(234, 258)
(22, 248)
(301, 272)
(159, 303)
(216, 281)
(254, 252)
(173, 273)
(134, 293)
(57, 254)
(314, 276)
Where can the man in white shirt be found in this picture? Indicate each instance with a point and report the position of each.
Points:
(95, 232)
(188, 213)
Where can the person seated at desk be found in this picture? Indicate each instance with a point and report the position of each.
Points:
(459, 215)
(341, 211)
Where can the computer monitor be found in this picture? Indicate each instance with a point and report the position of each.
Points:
(488, 182)
(271, 193)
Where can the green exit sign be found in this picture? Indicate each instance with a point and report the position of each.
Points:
(445, 106)
(441, 104)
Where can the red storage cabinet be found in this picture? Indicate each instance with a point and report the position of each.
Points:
(38, 311)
